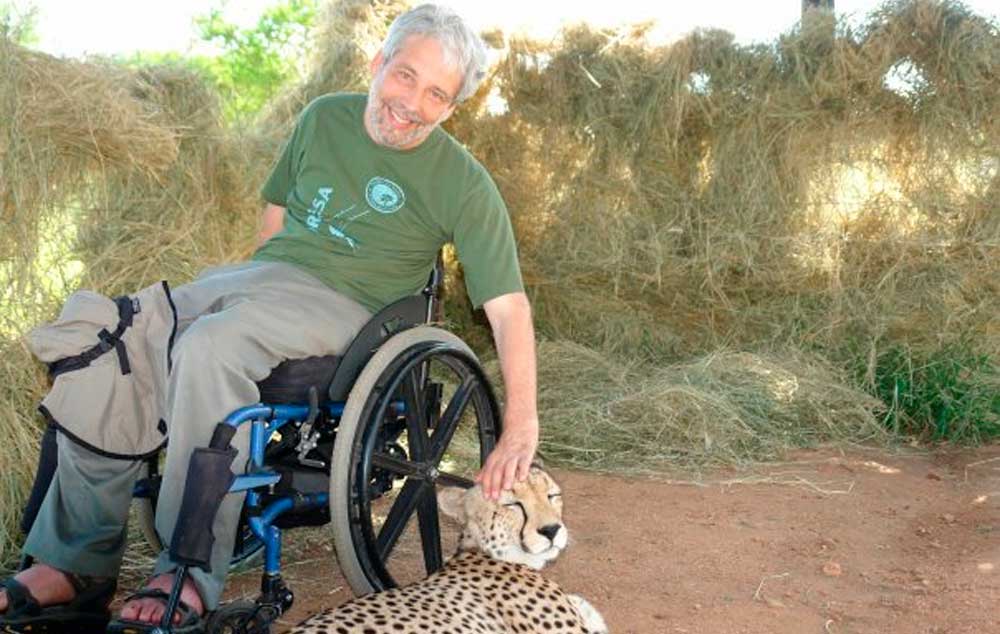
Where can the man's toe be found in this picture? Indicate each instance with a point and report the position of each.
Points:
(130, 611)
(153, 612)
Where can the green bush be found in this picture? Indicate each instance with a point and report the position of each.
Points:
(949, 394)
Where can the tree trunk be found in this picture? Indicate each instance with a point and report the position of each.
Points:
(818, 16)
(824, 5)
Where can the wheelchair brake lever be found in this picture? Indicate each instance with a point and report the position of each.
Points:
(309, 439)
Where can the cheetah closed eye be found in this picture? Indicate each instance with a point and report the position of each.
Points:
(491, 586)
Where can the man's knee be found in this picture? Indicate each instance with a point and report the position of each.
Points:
(217, 337)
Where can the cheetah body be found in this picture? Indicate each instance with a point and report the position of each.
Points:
(492, 586)
(473, 594)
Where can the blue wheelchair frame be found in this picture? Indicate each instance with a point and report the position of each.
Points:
(267, 419)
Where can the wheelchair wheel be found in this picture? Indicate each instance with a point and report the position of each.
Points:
(421, 414)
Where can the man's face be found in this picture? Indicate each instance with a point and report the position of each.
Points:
(410, 93)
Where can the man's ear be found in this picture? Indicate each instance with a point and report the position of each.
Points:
(376, 63)
(451, 501)
(447, 113)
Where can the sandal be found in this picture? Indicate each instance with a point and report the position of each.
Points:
(87, 612)
(191, 622)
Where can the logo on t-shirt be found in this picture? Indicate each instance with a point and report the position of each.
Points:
(315, 214)
(384, 196)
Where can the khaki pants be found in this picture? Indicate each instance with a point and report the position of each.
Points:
(235, 324)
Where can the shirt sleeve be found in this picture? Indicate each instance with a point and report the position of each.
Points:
(484, 240)
(281, 180)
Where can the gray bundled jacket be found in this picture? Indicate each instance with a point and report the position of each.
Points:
(110, 360)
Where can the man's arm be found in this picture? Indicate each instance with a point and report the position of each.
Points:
(272, 221)
(510, 318)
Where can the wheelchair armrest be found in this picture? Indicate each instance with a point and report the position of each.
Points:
(402, 314)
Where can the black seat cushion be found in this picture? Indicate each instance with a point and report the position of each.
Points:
(290, 380)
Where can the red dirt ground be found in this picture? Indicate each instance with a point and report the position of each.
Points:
(827, 543)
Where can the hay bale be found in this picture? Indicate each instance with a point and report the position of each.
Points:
(704, 183)
(202, 210)
(68, 125)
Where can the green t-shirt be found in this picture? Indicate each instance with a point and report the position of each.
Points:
(369, 220)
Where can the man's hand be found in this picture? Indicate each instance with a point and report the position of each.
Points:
(510, 319)
(510, 459)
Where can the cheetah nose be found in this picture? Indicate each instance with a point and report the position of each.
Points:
(549, 530)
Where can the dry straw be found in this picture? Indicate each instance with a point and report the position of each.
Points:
(726, 408)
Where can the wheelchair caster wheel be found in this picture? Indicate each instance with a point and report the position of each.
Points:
(241, 617)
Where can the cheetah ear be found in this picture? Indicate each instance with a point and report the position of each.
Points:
(451, 501)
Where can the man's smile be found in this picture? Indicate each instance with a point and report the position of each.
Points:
(398, 121)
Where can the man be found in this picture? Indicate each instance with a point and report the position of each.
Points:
(365, 193)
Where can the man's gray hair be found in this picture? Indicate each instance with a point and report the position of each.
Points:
(462, 46)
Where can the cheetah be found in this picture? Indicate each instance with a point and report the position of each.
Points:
(491, 585)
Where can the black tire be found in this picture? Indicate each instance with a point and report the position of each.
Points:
(440, 424)
(240, 617)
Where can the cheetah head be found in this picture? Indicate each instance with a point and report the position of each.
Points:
(524, 526)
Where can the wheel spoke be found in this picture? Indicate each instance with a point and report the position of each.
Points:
(430, 530)
(432, 402)
(416, 421)
(452, 416)
(401, 511)
(452, 480)
(396, 465)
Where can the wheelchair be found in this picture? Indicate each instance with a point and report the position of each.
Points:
(358, 441)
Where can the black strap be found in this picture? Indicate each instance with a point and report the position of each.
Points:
(127, 308)
(20, 601)
(119, 346)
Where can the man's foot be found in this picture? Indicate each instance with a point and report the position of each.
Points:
(49, 586)
(149, 610)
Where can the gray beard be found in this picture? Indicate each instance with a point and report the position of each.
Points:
(378, 125)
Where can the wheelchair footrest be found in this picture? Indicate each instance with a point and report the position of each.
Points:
(208, 480)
